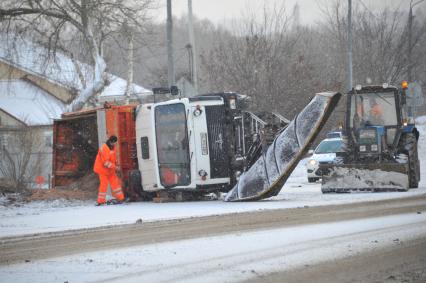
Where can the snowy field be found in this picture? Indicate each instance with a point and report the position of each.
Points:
(60, 215)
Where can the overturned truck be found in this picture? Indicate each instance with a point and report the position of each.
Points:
(189, 147)
(192, 146)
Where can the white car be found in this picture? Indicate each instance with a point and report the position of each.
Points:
(324, 153)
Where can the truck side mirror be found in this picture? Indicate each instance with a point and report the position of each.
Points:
(174, 90)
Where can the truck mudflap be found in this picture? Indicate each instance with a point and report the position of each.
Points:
(268, 174)
(376, 177)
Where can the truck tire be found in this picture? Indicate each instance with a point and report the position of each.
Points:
(410, 145)
(135, 184)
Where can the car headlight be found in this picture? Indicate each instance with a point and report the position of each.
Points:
(312, 162)
(362, 148)
(374, 147)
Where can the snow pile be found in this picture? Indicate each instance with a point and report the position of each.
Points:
(354, 178)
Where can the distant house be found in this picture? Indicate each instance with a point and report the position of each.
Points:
(34, 90)
(26, 115)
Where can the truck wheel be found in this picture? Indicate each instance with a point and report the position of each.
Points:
(135, 184)
(312, 180)
(413, 160)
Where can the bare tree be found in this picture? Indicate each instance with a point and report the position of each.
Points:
(89, 22)
(380, 40)
(22, 158)
(256, 59)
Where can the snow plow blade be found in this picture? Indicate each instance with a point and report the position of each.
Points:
(268, 174)
(346, 178)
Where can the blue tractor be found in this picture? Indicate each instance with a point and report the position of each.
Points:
(380, 143)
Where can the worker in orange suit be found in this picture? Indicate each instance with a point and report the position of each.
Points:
(376, 113)
(106, 167)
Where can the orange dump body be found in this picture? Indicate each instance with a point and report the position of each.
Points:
(77, 136)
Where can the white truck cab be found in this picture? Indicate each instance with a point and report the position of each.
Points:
(181, 144)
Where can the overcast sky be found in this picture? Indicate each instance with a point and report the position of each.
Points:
(219, 11)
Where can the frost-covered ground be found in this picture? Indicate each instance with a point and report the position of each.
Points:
(38, 217)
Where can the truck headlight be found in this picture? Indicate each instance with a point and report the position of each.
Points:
(203, 174)
(312, 162)
(362, 148)
(374, 147)
(197, 112)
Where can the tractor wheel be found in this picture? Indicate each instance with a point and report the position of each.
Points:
(413, 160)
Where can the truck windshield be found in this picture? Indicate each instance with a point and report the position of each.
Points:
(329, 146)
(172, 145)
(373, 109)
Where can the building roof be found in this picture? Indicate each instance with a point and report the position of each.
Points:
(28, 103)
(56, 67)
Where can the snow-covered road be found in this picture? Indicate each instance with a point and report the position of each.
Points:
(42, 217)
(227, 258)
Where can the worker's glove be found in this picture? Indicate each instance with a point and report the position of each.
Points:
(108, 164)
(118, 171)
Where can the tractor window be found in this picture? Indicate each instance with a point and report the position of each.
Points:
(373, 109)
(172, 145)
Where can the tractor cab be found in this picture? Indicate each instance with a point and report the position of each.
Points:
(380, 143)
(374, 121)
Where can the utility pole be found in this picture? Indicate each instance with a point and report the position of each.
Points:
(410, 40)
(349, 87)
(130, 61)
(171, 67)
(194, 77)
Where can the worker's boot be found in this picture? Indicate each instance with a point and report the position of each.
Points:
(114, 201)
